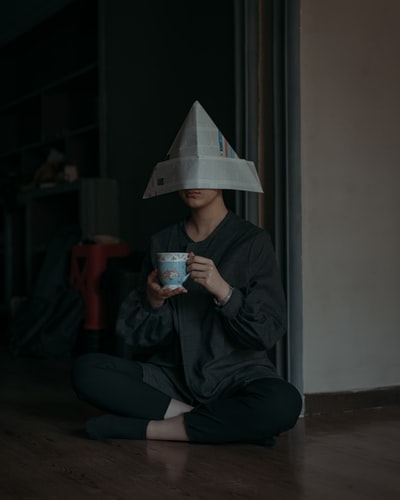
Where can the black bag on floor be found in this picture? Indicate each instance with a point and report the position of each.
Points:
(48, 322)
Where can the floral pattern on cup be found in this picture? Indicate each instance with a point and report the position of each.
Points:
(172, 269)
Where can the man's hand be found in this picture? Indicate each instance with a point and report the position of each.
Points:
(204, 272)
(156, 295)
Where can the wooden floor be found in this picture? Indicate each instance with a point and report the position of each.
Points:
(45, 455)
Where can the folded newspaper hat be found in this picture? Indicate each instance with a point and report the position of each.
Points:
(201, 158)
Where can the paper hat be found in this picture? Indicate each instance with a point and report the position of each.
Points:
(201, 158)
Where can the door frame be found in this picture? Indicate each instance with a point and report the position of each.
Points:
(267, 84)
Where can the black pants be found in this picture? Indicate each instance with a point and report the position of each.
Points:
(258, 411)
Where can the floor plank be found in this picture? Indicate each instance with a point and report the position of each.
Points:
(45, 455)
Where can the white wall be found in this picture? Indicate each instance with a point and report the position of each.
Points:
(350, 164)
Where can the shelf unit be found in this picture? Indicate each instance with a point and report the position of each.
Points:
(24, 241)
(49, 99)
(103, 82)
(55, 103)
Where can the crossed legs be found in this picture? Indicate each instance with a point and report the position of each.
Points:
(134, 410)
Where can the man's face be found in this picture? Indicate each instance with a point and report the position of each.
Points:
(199, 198)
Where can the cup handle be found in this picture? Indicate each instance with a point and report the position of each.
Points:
(185, 278)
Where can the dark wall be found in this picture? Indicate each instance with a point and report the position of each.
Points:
(18, 16)
(161, 57)
(156, 59)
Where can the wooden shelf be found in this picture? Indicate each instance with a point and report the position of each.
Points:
(44, 192)
(69, 77)
(49, 99)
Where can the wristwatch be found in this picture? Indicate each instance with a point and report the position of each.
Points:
(225, 300)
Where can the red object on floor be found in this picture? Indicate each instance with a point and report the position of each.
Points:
(88, 262)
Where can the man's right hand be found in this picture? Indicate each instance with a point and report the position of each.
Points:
(156, 295)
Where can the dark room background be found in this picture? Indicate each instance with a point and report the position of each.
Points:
(109, 83)
(150, 60)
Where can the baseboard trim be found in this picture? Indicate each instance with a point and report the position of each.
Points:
(331, 402)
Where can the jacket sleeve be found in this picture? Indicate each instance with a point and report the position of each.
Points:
(255, 316)
(141, 328)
